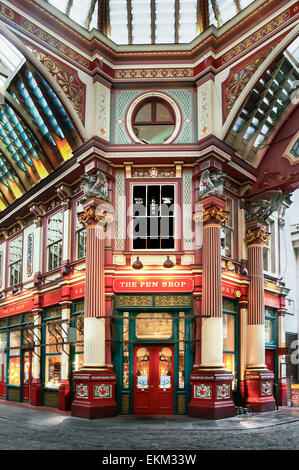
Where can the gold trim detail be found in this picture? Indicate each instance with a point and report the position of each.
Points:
(214, 212)
(89, 215)
(139, 300)
(170, 300)
(257, 235)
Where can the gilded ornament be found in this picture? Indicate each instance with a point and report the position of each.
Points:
(257, 235)
(214, 213)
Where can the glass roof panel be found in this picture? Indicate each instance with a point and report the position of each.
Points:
(119, 21)
(141, 21)
(187, 20)
(220, 11)
(10, 60)
(164, 21)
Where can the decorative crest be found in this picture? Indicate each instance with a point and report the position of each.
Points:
(261, 208)
(95, 185)
(211, 184)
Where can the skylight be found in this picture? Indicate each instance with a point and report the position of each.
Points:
(148, 21)
(10, 60)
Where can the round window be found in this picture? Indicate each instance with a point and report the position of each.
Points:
(153, 119)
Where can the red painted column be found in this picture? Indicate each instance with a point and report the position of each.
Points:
(211, 384)
(258, 379)
(94, 384)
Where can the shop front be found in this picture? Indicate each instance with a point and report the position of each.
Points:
(152, 353)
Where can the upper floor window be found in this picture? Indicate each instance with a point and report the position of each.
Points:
(153, 121)
(269, 249)
(227, 231)
(80, 235)
(153, 217)
(54, 240)
(15, 261)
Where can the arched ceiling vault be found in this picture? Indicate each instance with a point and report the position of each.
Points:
(37, 133)
(268, 104)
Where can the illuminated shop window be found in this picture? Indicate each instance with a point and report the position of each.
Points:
(80, 235)
(52, 332)
(153, 217)
(54, 240)
(78, 347)
(269, 249)
(153, 326)
(153, 121)
(3, 345)
(14, 356)
(15, 261)
(227, 231)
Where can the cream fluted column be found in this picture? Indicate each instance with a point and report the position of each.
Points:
(259, 381)
(94, 303)
(94, 384)
(212, 325)
(211, 384)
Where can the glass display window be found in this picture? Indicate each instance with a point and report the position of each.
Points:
(153, 325)
(15, 342)
(14, 371)
(142, 366)
(52, 370)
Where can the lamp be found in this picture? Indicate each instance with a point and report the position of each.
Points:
(137, 264)
(168, 263)
(15, 290)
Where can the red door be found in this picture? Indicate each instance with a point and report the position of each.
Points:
(153, 380)
(27, 374)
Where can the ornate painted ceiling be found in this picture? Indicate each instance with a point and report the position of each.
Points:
(150, 21)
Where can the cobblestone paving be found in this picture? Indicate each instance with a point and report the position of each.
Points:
(27, 429)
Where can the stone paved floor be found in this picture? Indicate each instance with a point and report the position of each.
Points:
(24, 428)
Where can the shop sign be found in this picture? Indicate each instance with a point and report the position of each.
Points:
(271, 301)
(230, 291)
(146, 284)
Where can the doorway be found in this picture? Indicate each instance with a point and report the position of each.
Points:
(153, 377)
(27, 374)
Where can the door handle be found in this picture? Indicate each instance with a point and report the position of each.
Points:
(152, 386)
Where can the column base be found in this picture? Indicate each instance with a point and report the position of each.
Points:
(282, 392)
(259, 390)
(64, 396)
(35, 393)
(211, 394)
(94, 393)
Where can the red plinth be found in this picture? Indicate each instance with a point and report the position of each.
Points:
(211, 394)
(282, 392)
(94, 394)
(64, 396)
(35, 393)
(259, 390)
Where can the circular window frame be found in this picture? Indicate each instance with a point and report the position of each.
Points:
(136, 105)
